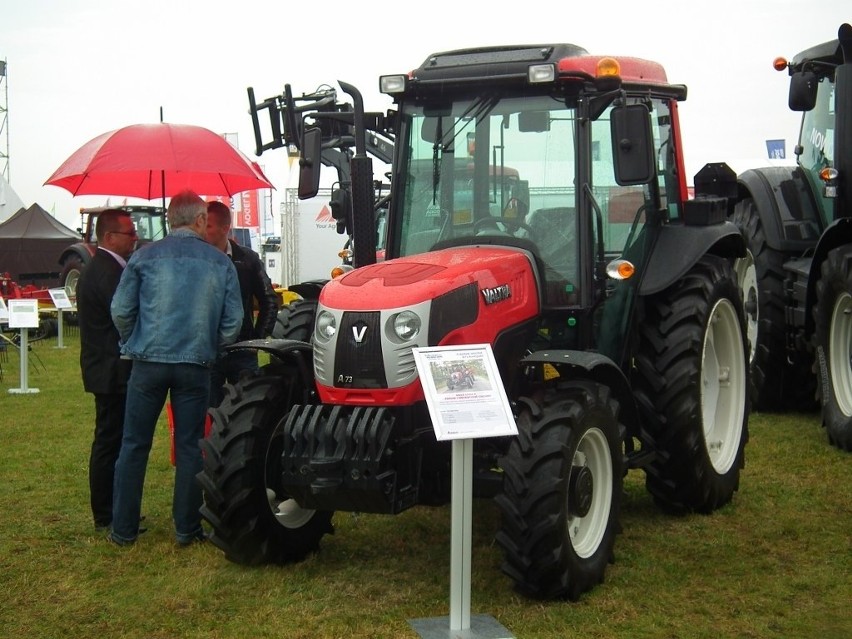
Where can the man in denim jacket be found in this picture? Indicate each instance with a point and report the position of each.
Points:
(176, 307)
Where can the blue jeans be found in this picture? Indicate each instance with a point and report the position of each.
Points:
(188, 386)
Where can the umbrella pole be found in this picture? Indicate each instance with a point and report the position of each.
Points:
(163, 173)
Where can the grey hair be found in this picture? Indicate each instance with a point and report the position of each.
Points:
(184, 208)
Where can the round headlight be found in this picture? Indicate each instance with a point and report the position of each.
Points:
(406, 325)
(326, 325)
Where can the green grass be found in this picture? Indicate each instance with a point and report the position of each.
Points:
(776, 562)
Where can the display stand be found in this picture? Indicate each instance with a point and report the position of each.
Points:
(24, 352)
(61, 302)
(486, 413)
(23, 315)
(460, 624)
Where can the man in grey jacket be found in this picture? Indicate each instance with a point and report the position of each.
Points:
(176, 307)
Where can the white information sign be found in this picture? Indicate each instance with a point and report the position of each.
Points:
(464, 392)
(4, 311)
(23, 313)
(60, 298)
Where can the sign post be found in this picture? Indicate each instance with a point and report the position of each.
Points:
(61, 302)
(466, 400)
(23, 314)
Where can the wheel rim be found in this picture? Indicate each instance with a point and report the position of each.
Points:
(840, 351)
(286, 511)
(588, 511)
(747, 280)
(722, 386)
(71, 284)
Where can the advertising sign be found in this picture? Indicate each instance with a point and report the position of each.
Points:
(60, 298)
(318, 240)
(23, 313)
(776, 149)
(464, 392)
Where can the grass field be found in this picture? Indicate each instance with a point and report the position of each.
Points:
(776, 562)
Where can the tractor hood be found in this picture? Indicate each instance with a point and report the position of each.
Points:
(408, 281)
(369, 320)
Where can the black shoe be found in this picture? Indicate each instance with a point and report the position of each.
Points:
(198, 538)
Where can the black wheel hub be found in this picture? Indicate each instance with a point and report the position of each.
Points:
(751, 305)
(580, 488)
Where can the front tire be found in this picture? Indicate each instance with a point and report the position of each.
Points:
(776, 383)
(296, 321)
(562, 486)
(253, 521)
(833, 342)
(692, 388)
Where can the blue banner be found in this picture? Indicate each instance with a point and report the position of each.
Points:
(776, 149)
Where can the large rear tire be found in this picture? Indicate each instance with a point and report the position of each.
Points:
(296, 321)
(253, 521)
(562, 486)
(776, 382)
(833, 342)
(692, 388)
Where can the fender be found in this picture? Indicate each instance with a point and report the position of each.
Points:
(81, 250)
(309, 290)
(599, 367)
(678, 247)
(289, 351)
(784, 199)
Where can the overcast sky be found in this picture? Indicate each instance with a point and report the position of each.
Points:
(78, 68)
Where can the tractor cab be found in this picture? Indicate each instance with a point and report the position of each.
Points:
(569, 169)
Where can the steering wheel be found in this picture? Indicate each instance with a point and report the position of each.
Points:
(511, 222)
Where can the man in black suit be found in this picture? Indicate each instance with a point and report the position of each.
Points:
(104, 372)
(257, 293)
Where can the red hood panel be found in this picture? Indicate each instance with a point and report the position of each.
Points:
(410, 280)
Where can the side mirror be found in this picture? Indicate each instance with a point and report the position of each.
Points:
(803, 91)
(310, 163)
(632, 144)
(534, 121)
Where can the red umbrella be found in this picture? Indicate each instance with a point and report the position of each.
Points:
(157, 161)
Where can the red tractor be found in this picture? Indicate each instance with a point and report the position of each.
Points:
(797, 274)
(607, 295)
(150, 223)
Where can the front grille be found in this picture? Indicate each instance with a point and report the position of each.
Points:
(358, 362)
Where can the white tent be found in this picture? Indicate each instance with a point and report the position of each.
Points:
(10, 203)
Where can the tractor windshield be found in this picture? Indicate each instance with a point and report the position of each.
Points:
(817, 141)
(150, 226)
(484, 166)
(511, 166)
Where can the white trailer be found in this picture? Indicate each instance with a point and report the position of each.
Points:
(310, 244)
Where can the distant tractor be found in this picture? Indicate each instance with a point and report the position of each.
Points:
(150, 223)
(797, 275)
(608, 297)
